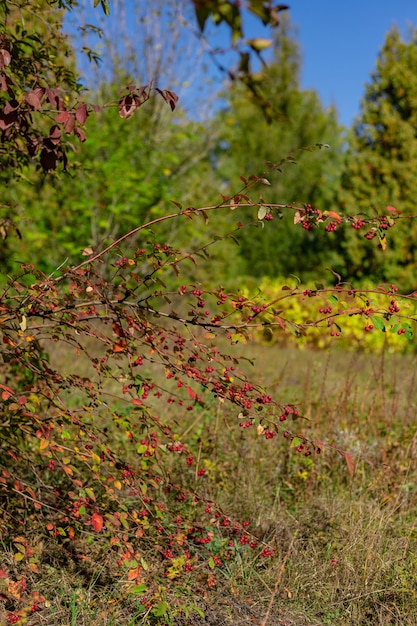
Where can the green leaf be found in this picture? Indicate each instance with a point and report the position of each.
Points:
(138, 589)
(197, 610)
(211, 563)
(333, 299)
(160, 609)
(105, 7)
(378, 323)
(408, 331)
(238, 338)
(202, 13)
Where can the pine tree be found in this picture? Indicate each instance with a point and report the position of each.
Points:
(381, 166)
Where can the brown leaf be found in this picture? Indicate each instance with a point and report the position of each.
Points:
(48, 159)
(128, 105)
(299, 215)
(170, 97)
(7, 119)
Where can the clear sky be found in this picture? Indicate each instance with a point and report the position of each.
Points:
(340, 42)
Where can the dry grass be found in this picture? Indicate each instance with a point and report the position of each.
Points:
(346, 547)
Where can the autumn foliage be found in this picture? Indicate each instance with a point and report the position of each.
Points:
(105, 364)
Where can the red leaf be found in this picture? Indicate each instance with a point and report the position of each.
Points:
(120, 347)
(5, 58)
(349, 462)
(335, 216)
(80, 134)
(33, 99)
(55, 134)
(11, 106)
(191, 393)
(81, 113)
(55, 100)
(69, 125)
(97, 521)
(6, 388)
(62, 116)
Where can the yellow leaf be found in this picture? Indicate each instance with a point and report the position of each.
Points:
(23, 323)
(20, 547)
(90, 494)
(260, 44)
(34, 568)
(44, 443)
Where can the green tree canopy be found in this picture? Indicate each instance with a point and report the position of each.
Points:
(380, 169)
(249, 140)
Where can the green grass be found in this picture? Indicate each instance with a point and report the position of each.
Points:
(346, 548)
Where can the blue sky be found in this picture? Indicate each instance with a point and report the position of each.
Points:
(340, 42)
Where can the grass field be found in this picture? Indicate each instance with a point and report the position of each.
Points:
(346, 547)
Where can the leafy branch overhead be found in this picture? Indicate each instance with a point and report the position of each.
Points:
(230, 13)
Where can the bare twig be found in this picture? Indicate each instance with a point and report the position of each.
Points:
(278, 580)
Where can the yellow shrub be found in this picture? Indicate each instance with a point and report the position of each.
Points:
(365, 318)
